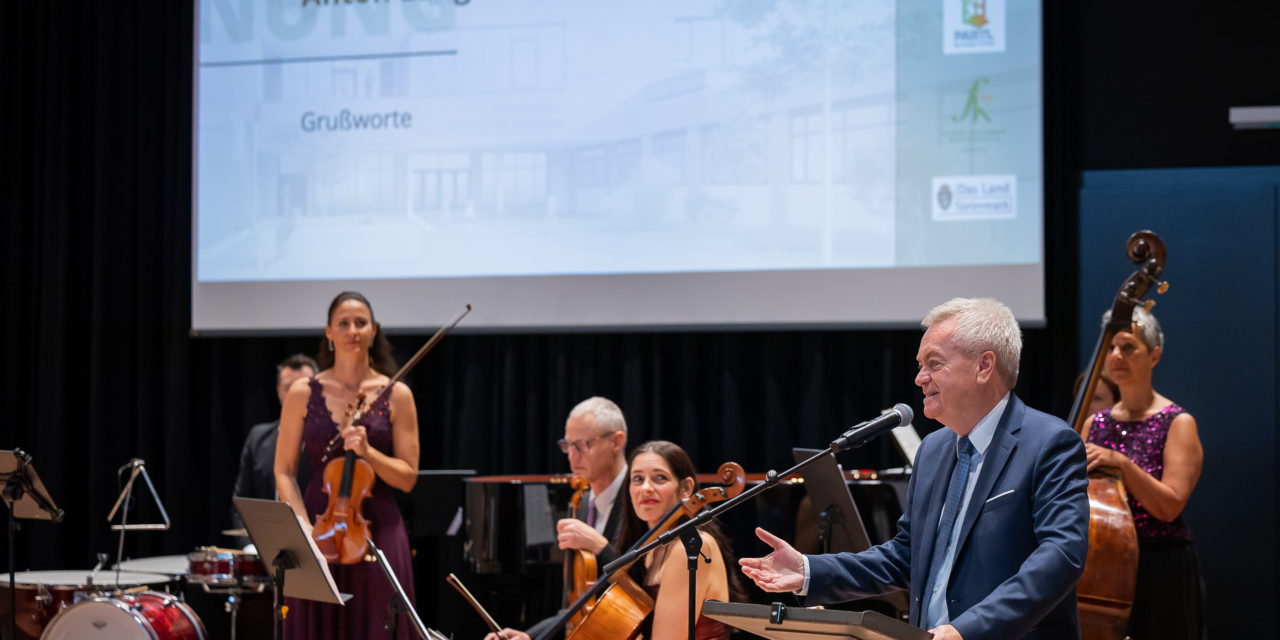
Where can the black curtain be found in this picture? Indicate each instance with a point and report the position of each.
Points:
(100, 367)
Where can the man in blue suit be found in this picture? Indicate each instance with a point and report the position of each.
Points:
(996, 528)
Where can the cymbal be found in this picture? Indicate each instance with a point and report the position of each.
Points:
(235, 532)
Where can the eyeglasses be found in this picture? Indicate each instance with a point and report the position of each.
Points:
(581, 446)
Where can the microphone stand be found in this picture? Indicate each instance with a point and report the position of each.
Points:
(687, 530)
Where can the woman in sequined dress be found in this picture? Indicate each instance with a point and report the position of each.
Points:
(1154, 444)
(355, 358)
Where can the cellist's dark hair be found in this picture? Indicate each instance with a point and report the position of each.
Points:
(632, 528)
(380, 356)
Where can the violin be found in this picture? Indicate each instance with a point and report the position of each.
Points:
(579, 564)
(342, 532)
(1105, 591)
(624, 605)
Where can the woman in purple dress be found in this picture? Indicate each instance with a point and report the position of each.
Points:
(355, 359)
(1154, 445)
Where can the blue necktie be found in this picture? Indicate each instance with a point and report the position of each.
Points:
(591, 513)
(955, 494)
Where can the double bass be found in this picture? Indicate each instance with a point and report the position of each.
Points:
(1104, 593)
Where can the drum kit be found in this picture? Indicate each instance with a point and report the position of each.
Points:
(136, 599)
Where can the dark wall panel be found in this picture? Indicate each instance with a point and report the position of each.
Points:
(1219, 362)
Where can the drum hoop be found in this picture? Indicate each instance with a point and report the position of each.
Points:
(116, 601)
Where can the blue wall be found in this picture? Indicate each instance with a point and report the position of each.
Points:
(1220, 362)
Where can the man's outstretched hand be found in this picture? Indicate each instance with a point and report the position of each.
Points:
(780, 571)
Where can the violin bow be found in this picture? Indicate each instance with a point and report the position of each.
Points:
(475, 604)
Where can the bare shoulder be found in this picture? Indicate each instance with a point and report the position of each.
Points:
(1184, 423)
(299, 387)
(401, 391)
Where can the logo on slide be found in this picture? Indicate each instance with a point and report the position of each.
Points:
(975, 197)
(972, 26)
(973, 103)
(975, 13)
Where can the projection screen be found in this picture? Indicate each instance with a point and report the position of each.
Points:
(580, 165)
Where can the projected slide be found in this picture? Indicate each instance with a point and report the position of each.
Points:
(349, 140)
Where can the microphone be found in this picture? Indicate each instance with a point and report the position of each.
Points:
(863, 432)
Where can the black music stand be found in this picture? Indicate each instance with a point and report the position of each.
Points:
(400, 603)
(277, 533)
(840, 525)
(792, 623)
(27, 499)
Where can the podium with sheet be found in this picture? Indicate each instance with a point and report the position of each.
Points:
(793, 623)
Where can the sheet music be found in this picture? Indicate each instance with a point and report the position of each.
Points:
(324, 565)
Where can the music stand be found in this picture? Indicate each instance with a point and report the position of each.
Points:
(792, 623)
(840, 525)
(908, 441)
(27, 499)
(277, 533)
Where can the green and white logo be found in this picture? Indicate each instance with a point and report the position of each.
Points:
(972, 26)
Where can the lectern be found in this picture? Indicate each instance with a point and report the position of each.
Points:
(793, 623)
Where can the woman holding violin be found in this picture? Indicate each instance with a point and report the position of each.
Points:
(1153, 444)
(356, 362)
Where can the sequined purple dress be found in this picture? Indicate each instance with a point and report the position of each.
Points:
(1143, 442)
(1168, 600)
(364, 616)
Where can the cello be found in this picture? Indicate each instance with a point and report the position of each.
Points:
(1105, 591)
(621, 605)
(341, 532)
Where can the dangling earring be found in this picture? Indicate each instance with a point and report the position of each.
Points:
(331, 345)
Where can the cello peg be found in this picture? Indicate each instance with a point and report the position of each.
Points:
(1162, 287)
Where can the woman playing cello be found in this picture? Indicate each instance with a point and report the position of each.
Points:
(1154, 445)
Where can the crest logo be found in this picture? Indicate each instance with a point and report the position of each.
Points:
(944, 197)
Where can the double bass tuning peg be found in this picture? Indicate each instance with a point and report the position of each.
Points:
(1148, 305)
(1162, 287)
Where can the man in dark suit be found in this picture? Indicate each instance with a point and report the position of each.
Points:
(595, 440)
(996, 528)
(257, 478)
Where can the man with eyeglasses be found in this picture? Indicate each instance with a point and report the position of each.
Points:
(595, 439)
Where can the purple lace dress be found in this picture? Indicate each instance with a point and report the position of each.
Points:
(365, 615)
(1169, 598)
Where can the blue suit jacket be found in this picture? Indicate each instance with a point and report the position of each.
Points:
(1022, 542)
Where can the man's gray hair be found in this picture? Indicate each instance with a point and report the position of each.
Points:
(1148, 332)
(607, 414)
(983, 324)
